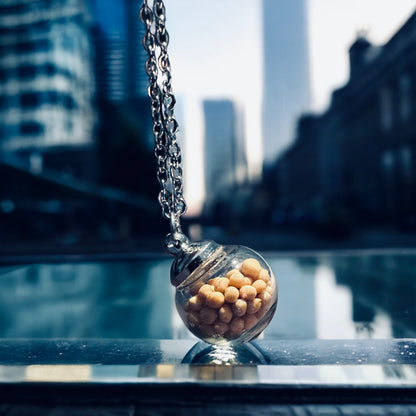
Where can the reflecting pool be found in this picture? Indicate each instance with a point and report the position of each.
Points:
(327, 296)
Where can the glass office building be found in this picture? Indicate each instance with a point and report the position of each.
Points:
(46, 75)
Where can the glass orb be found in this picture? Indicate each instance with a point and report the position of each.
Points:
(226, 295)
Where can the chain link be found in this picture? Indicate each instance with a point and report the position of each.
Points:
(165, 126)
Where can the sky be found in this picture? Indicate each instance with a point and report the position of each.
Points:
(216, 52)
(333, 26)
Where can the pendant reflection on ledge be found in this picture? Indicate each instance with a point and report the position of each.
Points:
(242, 354)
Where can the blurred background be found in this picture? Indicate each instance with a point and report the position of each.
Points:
(297, 127)
(297, 124)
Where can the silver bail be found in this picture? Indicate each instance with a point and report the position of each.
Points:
(176, 241)
(187, 262)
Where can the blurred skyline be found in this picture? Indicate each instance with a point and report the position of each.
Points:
(286, 69)
(221, 56)
(333, 27)
(80, 176)
(325, 298)
(352, 56)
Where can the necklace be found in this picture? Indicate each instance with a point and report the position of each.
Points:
(225, 295)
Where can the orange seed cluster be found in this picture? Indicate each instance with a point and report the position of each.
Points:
(228, 305)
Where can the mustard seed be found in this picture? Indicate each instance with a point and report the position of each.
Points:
(237, 280)
(231, 294)
(250, 321)
(215, 300)
(264, 275)
(207, 330)
(237, 326)
(253, 306)
(195, 303)
(266, 298)
(248, 292)
(193, 318)
(250, 267)
(231, 272)
(204, 290)
(221, 284)
(220, 328)
(225, 313)
(207, 315)
(260, 285)
(239, 308)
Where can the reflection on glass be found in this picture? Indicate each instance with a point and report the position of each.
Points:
(204, 354)
(362, 296)
(342, 296)
(123, 300)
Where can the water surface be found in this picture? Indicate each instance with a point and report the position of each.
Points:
(342, 296)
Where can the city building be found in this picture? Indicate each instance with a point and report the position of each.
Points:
(286, 89)
(225, 163)
(120, 55)
(120, 67)
(356, 162)
(137, 55)
(125, 138)
(47, 117)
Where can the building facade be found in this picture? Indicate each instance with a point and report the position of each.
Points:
(225, 163)
(358, 158)
(46, 78)
(120, 56)
(286, 73)
(120, 67)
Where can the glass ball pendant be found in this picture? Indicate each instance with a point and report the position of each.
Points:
(225, 295)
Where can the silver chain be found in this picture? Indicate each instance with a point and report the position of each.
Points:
(165, 126)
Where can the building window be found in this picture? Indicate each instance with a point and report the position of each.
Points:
(51, 97)
(69, 126)
(25, 47)
(42, 45)
(5, 74)
(405, 85)
(406, 162)
(13, 9)
(386, 108)
(39, 45)
(69, 102)
(49, 69)
(36, 162)
(30, 100)
(5, 49)
(26, 71)
(387, 160)
(67, 42)
(31, 128)
(3, 101)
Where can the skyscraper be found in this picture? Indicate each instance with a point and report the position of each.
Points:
(137, 55)
(46, 76)
(47, 116)
(225, 165)
(120, 55)
(120, 61)
(286, 75)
